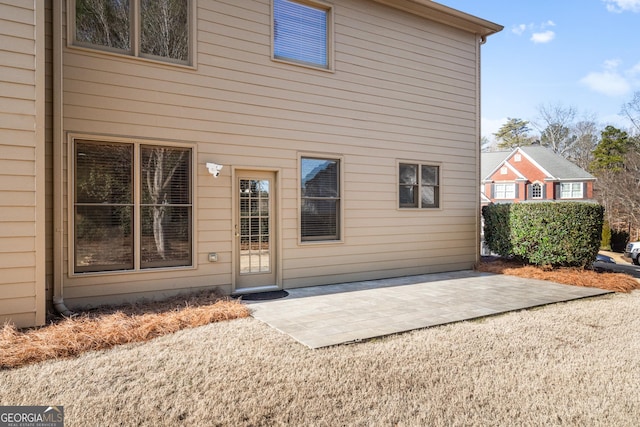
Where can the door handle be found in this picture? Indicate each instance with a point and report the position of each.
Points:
(236, 233)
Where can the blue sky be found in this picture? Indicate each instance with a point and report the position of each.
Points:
(580, 53)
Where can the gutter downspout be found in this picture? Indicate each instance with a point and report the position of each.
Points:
(481, 40)
(58, 169)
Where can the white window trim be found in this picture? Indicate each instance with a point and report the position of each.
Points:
(572, 193)
(134, 53)
(506, 193)
(330, 37)
(327, 156)
(541, 186)
(69, 215)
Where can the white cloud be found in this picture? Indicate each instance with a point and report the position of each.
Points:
(607, 82)
(635, 70)
(610, 81)
(539, 32)
(544, 37)
(619, 6)
(519, 29)
(611, 64)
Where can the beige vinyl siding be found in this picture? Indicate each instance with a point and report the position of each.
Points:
(49, 176)
(22, 257)
(403, 88)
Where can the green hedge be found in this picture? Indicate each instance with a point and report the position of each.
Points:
(555, 234)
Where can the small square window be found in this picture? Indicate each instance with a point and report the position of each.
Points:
(301, 32)
(419, 186)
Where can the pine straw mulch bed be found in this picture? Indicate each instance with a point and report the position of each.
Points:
(107, 327)
(110, 326)
(617, 282)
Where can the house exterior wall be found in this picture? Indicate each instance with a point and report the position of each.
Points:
(403, 88)
(22, 163)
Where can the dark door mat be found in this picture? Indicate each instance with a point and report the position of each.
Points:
(264, 296)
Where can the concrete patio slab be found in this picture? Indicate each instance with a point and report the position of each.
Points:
(327, 315)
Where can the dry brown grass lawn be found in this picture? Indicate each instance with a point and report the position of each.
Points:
(107, 327)
(567, 364)
(617, 282)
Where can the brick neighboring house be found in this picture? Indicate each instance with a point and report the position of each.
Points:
(531, 174)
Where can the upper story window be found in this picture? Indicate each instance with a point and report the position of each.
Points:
(132, 206)
(320, 199)
(571, 190)
(301, 32)
(419, 186)
(155, 29)
(504, 191)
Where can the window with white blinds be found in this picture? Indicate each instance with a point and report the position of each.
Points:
(320, 199)
(132, 206)
(301, 32)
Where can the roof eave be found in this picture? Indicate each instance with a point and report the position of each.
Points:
(446, 15)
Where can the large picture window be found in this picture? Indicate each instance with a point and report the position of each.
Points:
(132, 206)
(301, 32)
(320, 199)
(571, 190)
(158, 29)
(419, 186)
(504, 191)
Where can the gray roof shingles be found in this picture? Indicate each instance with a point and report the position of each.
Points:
(556, 165)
